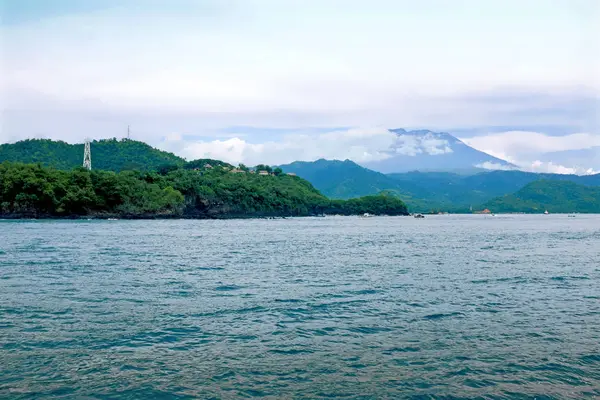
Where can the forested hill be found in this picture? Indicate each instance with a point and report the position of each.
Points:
(107, 154)
(422, 191)
(34, 191)
(554, 196)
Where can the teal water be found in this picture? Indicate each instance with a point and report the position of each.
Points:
(360, 308)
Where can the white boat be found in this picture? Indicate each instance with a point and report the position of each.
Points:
(366, 215)
(546, 212)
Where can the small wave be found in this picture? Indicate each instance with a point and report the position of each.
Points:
(488, 310)
(228, 311)
(128, 367)
(225, 375)
(244, 337)
(564, 278)
(228, 288)
(478, 383)
(323, 331)
(442, 315)
(364, 291)
(407, 349)
(591, 359)
(369, 329)
(291, 351)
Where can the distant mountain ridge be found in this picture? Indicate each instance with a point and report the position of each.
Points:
(425, 150)
(552, 196)
(422, 191)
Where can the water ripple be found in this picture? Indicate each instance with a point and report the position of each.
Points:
(452, 307)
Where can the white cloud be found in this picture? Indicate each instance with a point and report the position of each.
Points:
(244, 55)
(519, 143)
(494, 166)
(538, 167)
(359, 145)
(411, 145)
(550, 167)
(525, 149)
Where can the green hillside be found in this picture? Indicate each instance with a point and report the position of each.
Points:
(108, 154)
(554, 196)
(31, 190)
(422, 191)
(341, 179)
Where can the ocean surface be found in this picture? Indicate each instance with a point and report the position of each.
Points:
(448, 307)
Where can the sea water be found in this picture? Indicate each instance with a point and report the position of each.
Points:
(359, 308)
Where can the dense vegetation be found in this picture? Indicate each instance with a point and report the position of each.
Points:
(32, 190)
(110, 154)
(141, 168)
(554, 196)
(421, 191)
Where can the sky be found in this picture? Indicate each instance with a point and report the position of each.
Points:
(280, 80)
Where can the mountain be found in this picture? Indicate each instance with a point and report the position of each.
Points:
(478, 188)
(421, 191)
(31, 190)
(109, 154)
(554, 196)
(341, 179)
(424, 150)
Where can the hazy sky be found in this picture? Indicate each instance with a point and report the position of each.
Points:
(244, 79)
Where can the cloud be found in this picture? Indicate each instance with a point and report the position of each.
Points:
(518, 143)
(538, 166)
(495, 166)
(539, 152)
(410, 145)
(326, 65)
(361, 145)
(550, 167)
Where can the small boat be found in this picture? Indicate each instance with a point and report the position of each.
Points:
(113, 219)
(419, 216)
(366, 215)
(546, 212)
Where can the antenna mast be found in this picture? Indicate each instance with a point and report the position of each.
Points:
(127, 131)
(87, 155)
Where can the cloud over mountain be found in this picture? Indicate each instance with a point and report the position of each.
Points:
(539, 152)
(382, 149)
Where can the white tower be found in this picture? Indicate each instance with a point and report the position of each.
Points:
(87, 155)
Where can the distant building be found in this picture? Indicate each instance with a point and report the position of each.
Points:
(207, 166)
(237, 171)
(263, 172)
(291, 174)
